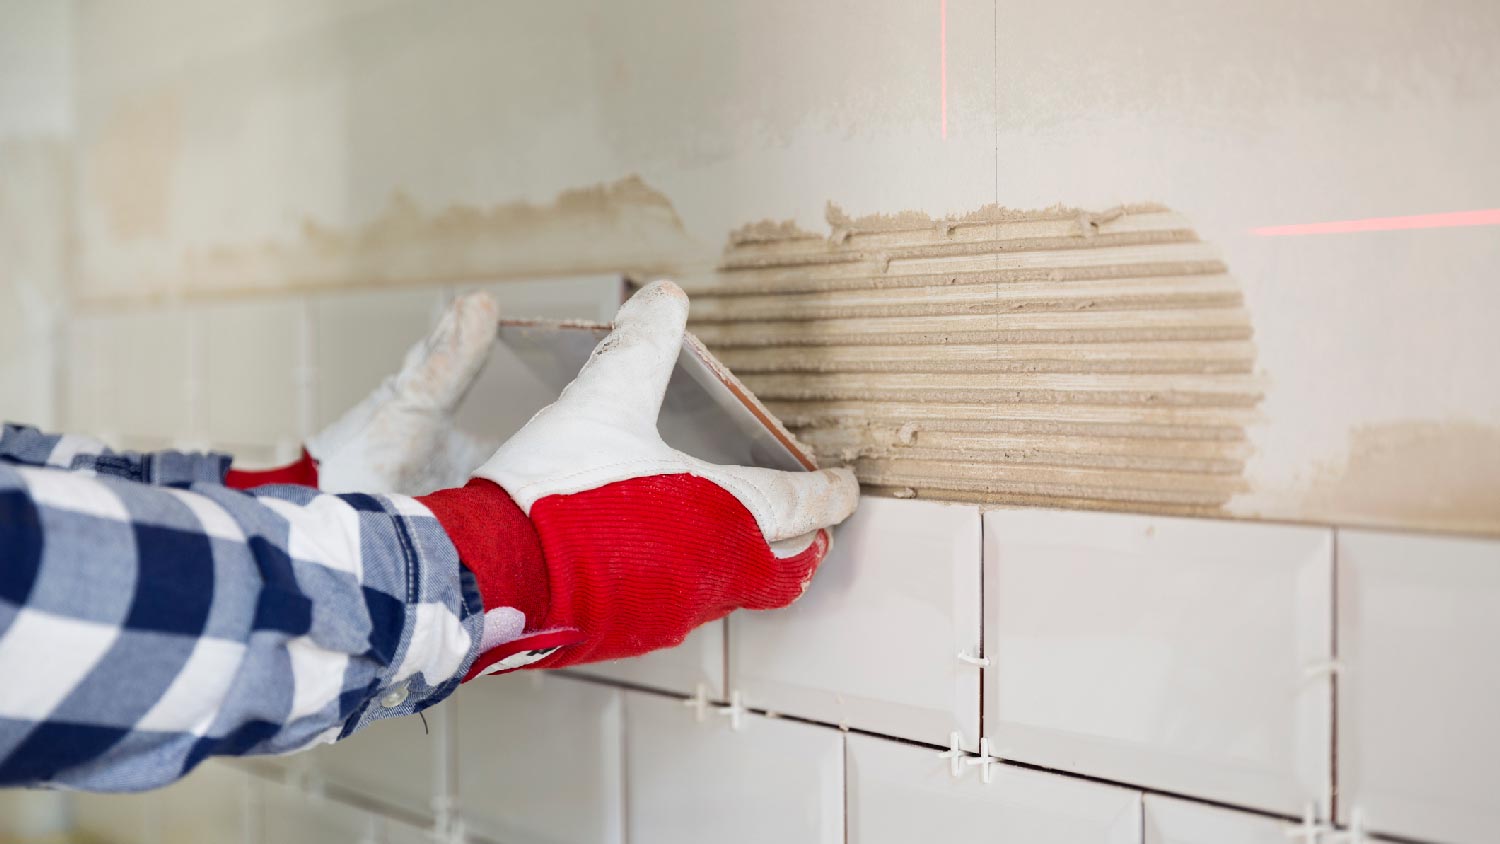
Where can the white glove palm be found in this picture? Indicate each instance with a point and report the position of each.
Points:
(401, 438)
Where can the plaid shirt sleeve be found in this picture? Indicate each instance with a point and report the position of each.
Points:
(151, 617)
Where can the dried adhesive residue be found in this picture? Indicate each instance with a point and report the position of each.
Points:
(132, 162)
(1059, 357)
(1440, 475)
(622, 225)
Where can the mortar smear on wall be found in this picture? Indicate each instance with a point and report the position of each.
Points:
(1056, 357)
(606, 228)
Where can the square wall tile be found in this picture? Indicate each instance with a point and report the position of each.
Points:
(360, 339)
(116, 818)
(129, 374)
(900, 793)
(1419, 628)
(208, 806)
(1185, 655)
(286, 816)
(1173, 821)
(393, 761)
(695, 781)
(698, 661)
(539, 759)
(253, 354)
(873, 644)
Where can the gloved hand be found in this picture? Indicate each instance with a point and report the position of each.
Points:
(590, 539)
(400, 438)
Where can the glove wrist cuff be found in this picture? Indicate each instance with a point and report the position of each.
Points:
(302, 472)
(497, 543)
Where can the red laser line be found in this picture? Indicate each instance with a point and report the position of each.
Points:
(943, 61)
(1451, 219)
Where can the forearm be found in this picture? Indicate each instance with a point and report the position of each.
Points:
(146, 628)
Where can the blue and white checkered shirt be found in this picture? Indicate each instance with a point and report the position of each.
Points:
(151, 617)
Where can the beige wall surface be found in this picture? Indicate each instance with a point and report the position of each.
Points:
(225, 149)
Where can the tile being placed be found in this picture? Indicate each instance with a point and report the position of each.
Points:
(394, 761)
(694, 781)
(1419, 626)
(698, 661)
(502, 400)
(361, 338)
(874, 643)
(1183, 655)
(539, 758)
(1169, 820)
(900, 793)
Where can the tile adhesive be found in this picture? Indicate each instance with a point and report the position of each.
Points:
(1058, 357)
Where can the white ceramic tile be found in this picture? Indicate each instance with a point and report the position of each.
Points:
(539, 758)
(84, 404)
(874, 642)
(252, 352)
(698, 661)
(285, 816)
(27, 814)
(361, 338)
(393, 761)
(396, 832)
(900, 793)
(1419, 627)
(128, 374)
(1172, 821)
(1170, 653)
(116, 818)
(692, 781)
(503, 399)
(206, 807)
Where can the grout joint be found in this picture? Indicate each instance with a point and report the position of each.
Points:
(1355, 834)
(1310, 831)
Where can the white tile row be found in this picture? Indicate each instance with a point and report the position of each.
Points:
(260, 376)
(1186, 656)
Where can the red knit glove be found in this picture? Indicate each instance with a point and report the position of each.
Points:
(302, 472)
(591, 539)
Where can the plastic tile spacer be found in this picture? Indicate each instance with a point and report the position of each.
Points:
(734, 711)
(954, 754)
(371, 834)
(1355, 834)
(965, 656)
(1325, 668)
(698, 703)
(984, 760)
(1310, 830)
(444, 810)
(450, 831)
